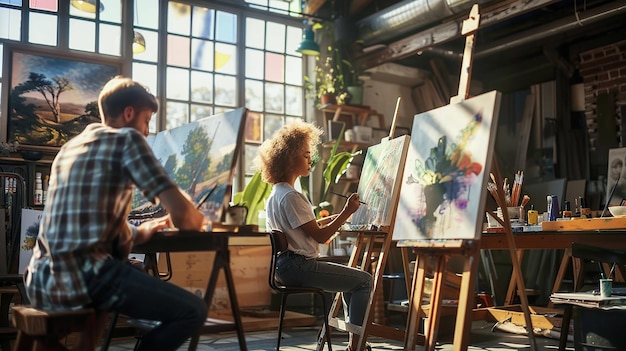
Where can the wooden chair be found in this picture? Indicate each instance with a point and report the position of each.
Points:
(278, 240)
(603, 257)
(39, 330)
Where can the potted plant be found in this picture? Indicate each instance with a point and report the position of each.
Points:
(322, 89)
(253, 197)
(352, 81)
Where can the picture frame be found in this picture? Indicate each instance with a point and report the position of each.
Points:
(334, 129)
(48, 96)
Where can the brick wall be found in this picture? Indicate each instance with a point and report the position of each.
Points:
(604, 72)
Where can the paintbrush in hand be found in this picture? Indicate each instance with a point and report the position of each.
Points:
(346, 197)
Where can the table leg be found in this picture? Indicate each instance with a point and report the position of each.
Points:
(234, 305)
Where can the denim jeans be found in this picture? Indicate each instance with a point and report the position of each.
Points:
(354, 284)
(120, 287)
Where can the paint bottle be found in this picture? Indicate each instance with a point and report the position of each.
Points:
(567, 211)
(38, 200)
(533, 216)
(553, 207)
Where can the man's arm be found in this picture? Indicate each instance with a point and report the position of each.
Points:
(182, 211)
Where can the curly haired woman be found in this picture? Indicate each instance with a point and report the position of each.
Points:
(281, 160)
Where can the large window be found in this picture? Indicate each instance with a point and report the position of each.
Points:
(199, 57)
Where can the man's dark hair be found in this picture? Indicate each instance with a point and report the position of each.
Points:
(121, 92)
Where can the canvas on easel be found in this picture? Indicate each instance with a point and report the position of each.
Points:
(616, 177)
(446, 171)
(379, 185)
(200, 157)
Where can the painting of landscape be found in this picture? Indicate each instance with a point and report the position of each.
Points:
(51, 99)
(200, 157)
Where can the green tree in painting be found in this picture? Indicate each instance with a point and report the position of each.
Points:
(196, 160)
(91, 109)
(51, 90)
(170, 166)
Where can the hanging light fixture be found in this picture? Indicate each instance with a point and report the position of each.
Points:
(139, 43)
(88, 6)
(308, 46)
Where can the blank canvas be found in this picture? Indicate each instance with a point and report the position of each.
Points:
(442, 195)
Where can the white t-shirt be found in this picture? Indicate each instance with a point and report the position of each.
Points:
(287, 209)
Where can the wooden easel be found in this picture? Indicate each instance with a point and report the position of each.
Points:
(469, 249)
(370, 245)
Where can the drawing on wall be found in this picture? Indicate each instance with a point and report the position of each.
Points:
(379, 184)
(52, 97)
(200, 157)
(446, 171)
(616, 175)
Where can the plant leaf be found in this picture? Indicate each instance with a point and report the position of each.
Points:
(335, 168)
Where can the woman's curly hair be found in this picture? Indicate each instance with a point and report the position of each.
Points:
(276, 154)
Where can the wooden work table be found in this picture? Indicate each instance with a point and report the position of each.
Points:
(218, 242)
(553, 239)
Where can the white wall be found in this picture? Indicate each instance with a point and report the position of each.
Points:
(382, 96)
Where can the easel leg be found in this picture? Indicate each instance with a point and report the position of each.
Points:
(561, 273)
(435, 304)
(466, 300)
(511, 291)
(415, 303)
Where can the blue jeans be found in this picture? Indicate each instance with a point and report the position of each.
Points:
(354, 284)
(120, 287)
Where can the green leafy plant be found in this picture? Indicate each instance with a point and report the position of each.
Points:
(253, 196)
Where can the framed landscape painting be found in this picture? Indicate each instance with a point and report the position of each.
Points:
(48, 97)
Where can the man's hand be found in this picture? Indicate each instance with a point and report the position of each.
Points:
(147, 229)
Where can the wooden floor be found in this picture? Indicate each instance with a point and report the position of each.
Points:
(304, 338)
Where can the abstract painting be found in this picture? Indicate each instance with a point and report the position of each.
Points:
(51, 98)
(444, 186)
(200, 157)
(379, 184)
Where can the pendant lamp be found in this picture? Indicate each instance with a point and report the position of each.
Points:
(139, 43)
(308, 46)
(88, 6)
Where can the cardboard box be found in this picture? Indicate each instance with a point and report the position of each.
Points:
(249, 266)
(541, 317)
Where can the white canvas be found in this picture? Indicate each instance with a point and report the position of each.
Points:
(379, 184)
(450, 151)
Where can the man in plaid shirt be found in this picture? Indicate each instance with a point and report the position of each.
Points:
(80, 259)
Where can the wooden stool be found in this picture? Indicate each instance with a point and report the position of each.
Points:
(41, 331)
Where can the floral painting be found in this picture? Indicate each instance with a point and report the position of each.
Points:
(442, 194)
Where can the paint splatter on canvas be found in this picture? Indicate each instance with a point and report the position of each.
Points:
(444, 181)
(379, 184)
